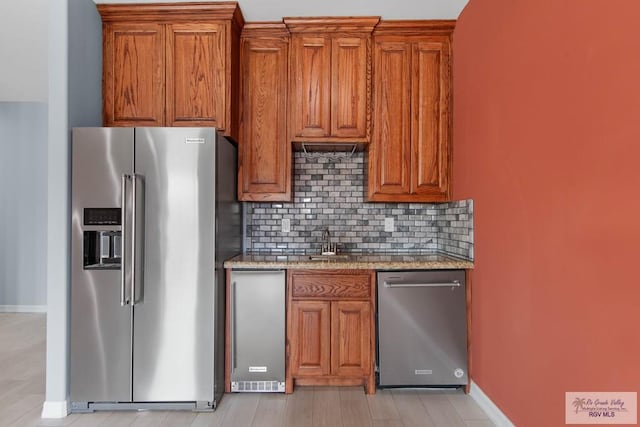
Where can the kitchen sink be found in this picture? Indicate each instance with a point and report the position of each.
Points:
(337, 257)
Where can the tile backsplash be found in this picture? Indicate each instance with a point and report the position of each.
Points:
(329, 194)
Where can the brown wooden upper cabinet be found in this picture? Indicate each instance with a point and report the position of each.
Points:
(330, 79)
(410, 150)
(171, 64)
(265, 152)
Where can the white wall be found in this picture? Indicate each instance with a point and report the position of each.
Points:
(85, 64)
(23, 50)
(55, 405)
(23, 154)
(75, 54)
(266, 10)
(23, 201)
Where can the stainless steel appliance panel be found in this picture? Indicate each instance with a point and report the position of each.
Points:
(173, 312)
(257, 325)
(422, 328)
(100, 339)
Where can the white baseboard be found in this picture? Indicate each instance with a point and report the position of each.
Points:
(23, 308)
(493, 412)
(54, 409)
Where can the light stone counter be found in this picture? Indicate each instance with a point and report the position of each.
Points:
(364, 261)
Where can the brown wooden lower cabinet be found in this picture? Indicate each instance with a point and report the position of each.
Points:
(310, 338)
(351, 338)
(330, 330)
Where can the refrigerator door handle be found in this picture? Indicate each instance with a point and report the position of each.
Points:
(123, 245)
(453, 284)
(134, 220)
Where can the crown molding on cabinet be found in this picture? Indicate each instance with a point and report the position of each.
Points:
(332, 24)
(265, 29)
(172, 12)
(408, 27)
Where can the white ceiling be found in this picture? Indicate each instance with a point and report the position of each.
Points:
(274, 10)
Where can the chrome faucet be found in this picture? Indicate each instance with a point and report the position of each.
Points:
(328, 248)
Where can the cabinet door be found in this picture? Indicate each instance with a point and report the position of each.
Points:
(310, 340)
(430, 126)
(310, 86)
(351, 338)
(133, 71)
(390, 151)
(196, 86)
(349, 96)
(265, 154)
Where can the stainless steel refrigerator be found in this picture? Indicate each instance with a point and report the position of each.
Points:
(154, 215)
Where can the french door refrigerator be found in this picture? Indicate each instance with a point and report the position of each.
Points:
(154, 215)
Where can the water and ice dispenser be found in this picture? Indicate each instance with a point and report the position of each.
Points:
(102, 239)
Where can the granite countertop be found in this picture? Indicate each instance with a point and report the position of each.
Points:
(354, 261)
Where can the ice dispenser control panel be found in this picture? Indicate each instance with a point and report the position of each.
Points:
(102, 248)
(102, 216)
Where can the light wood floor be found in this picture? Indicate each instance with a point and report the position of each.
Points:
(22, 355)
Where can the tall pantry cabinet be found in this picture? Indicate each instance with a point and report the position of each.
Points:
(171, 64)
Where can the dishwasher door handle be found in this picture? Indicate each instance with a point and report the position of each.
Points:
(453, 283)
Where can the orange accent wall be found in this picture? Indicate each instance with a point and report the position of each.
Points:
(547, 143)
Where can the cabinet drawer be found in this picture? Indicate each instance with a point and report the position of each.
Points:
(330, 286)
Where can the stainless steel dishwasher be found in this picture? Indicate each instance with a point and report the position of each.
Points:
(257, 317)
(422, 328)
